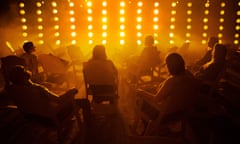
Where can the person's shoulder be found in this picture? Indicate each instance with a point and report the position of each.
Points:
(23, 55)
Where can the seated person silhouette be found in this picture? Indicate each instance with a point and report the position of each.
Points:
(208, 55)
(36, 100)
(177, 94)
(149, 59)
(7, 63)
(100, 75)
(211, 70)
(31, 60)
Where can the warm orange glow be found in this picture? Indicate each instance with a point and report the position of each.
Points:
(58, 42)
(139, 42)
(238, 20)
(39, 12)
(24, 34)
(104, 42)
(90, 34)
(189, 27)
(220, 35)
(236, 42)
(56, 18)
(139, 34)
(139, 19)
(89, 11)
(90, 27)
(139, 26)
(73, 27)
(204, 34)
(40, 35)
(104, 19)
(89, 3)
(205, 20)
(104, 4)
(104, 34)
(122, 42)
(173, 12)
(205, 27)
(156, 11)
(122, 19)
(189, 4)
(22, 12)
(90, 18)
(24, 27)
(122, 4)
(207, 4)
(237, 27)
(172, 26)
(174, 4)
(40, 19)
(221, 27)
(122, 27)
(206, 12)
(122, 34)
(189, 12)
(189, 20)
(171, 42)
(71, 4)
(38, 4)
(104, 27)
(223, 4)
(56, 27)
(40, 42)
(90, 41)
(172, 19)
(40, 27)
(236, 35)
(21, 5)
(139, 11)
(73, 34)
(72, 19)
(222, 12)
(54, 4)
(74, 42)
(122, 11)
(104, 12)
(188, 35)
(119, 22)
(171, 35)
(140, 4)
(155, 27)
(155, 19)
(23, 20)
(221, 20)
(204, 41)
(57, 34)
(55, 11)
(156, 4)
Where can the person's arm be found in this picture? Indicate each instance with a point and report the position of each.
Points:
(34, 64)
(164, 90)
(206, 58)
(69, 93)
(48, 94)
(64, 98)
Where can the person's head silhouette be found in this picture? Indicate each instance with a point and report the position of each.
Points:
(99, 52)
(175, 64)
